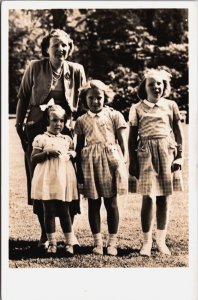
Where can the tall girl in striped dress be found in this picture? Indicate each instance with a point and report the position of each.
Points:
(102, 149)
(155, 151)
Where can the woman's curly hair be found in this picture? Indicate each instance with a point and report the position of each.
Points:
(55, 33)
(95, 84)
(164, 75)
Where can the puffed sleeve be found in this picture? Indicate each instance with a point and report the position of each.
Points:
(133, 118)
(25, 89)
(78, 126)
(39, 142)
(176, 113)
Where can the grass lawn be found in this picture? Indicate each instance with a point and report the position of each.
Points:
(24, 229)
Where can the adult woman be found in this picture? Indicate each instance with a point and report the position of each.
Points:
(51, 77)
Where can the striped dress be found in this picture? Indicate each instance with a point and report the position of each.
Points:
(104, 171)
(156, 147)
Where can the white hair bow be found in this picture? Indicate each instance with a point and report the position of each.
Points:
(43, 107)
(161, 74)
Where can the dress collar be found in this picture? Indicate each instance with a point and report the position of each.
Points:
(150, 104)
(100, 114)
(52, 135)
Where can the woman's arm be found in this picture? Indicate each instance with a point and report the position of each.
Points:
(132, 146)
(24, 95)
(122, 139)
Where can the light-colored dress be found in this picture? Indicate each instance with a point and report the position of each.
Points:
(54, 179)
(104, 171)
(156, 146)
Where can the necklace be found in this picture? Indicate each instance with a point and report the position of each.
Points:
(55, 77)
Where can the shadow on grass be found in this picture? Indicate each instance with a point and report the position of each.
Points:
(22, 250)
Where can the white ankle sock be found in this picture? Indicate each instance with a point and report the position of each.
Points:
(161, 236)
(112, 241)
(68, 238)
(51, 238)
(97, 239)
(147, 237)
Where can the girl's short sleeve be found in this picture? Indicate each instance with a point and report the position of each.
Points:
(133, 118)
(39, 142)
(78, 126)
(176, 113)
(118, 119)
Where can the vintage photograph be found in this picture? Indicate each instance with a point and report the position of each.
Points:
(98, 133)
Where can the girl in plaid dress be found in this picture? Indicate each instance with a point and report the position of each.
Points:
(102, 159)
(155, 151)
(54, 180)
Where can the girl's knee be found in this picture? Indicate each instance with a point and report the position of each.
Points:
(111, 203)
(49, 210)
(147, 201)
(162, 201)
(94, 204)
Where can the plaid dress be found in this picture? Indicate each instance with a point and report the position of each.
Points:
(104, 171)
(156, 146)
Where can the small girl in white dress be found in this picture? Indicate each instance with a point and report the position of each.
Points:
(102, 151)
(155, 152)
(54, 180)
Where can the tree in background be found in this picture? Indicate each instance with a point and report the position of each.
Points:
(115, 46)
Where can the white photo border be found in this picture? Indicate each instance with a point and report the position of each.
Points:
(112, 284)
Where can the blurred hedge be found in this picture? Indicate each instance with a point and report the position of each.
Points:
(115, 46)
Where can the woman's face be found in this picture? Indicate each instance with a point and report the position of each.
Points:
(58, 49)
(154, 89)
(95, 100)
(56, 123)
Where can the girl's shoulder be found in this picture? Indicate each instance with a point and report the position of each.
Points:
(111, 111)
(169, 101)
(39, 140)
(66, 137)
(171, 104)
(40, 137)
(138, 104)
(116, 117)
(83, 117)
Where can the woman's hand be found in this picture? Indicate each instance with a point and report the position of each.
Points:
(22, 136)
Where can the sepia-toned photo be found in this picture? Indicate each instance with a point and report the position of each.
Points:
(98, 159)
